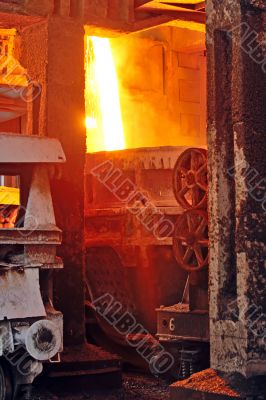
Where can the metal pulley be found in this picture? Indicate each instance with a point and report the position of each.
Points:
(190, 241)
(190, 179)
(43, 339)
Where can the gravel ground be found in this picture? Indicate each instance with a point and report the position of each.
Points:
(135, 387)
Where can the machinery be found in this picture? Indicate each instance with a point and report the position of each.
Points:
(31, 330)
(147, 244)
(184, 327)
(127, 256)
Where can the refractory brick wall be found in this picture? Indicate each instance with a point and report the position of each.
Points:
(162, 75)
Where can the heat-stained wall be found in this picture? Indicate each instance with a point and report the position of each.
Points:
(33, 58)
(237, 193)
(162, 77)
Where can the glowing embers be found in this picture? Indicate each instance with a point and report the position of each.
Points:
(103, 112)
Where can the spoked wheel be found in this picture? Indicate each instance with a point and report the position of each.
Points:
(190, 179)
(6, 387)
(190, 242)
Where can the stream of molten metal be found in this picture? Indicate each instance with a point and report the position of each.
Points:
(103, 115)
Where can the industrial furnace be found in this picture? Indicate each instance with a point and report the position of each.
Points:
(147, 247)
(146, 223)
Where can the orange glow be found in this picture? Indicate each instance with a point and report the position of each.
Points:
(103, 111)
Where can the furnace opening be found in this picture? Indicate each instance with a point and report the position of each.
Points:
(146, 221)
(146, 89)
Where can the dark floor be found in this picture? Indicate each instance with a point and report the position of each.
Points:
(135, 387)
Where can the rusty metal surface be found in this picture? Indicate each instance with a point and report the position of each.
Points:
(143, 158)
(150, 169)
(124, 256)
(190, 241)
(128, 260)
(190, 319)
(18, 289)
(178, 325)
(31, 237)
(106, 274)
(22, 265)
(190, 179)
(30, 149)
(120, 232)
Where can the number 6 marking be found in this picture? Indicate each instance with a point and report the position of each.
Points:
(172, 324)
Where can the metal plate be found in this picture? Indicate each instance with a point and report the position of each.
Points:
(20, 295)
(173, 325)
(31, 237)
(30, 149)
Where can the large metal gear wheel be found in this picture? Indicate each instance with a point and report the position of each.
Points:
(6, 387)
(190, 179)
(190, 241)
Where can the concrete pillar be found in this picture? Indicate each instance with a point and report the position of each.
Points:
(66, 121)
(237, 193)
